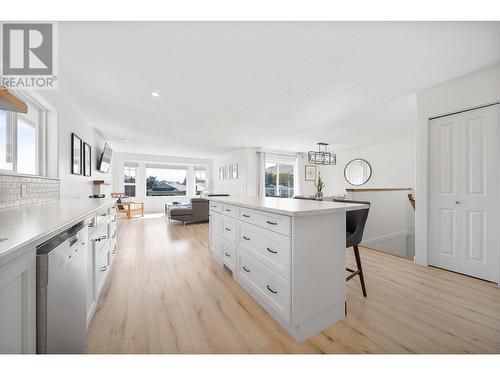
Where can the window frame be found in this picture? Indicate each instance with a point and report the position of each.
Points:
(166, 167)
(40, 137)
(130, 183)
(279, 160)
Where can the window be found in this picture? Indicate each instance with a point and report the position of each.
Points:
(165, 181)
(22, 141)
(200, 179)
(279, 177)
(129, 181)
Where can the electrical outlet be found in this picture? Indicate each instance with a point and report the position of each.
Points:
(24, 190)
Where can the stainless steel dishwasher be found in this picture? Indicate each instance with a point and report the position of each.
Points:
(61, 266)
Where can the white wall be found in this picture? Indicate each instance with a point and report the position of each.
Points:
(390, 225)
(155, 204)
(393, 165)
(246, 183)
(467, 92)
(65, 118)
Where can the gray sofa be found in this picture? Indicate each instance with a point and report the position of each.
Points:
(196, 212)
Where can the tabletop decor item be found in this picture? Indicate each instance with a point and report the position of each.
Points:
(319, 184)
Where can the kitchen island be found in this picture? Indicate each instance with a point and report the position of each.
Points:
(288, 254)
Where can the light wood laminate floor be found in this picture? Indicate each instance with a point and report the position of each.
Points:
(165, 294)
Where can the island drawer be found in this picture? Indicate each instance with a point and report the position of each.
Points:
(214, 206)
(230, 210)
(271, 288)
(277, 223)
(228, 255)
(229, 229)
(270, 248)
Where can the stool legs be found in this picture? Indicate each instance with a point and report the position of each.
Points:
(360, 270)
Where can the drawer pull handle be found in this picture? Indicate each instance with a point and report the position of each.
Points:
(228, 210)
(114, 235)
(227, 254)
(245, 215)
(104, 268)
(114, 251)
(272, 291)
(214, 206)
(271, 222)
(245, 269)
(246, 238)
(104, 214)
(228, 229)
(272, 251)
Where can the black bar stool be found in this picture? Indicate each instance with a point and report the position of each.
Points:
(355, 225)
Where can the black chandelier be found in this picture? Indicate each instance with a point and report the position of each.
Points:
(322, 156)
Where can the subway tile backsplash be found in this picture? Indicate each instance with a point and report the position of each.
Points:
(38, 189)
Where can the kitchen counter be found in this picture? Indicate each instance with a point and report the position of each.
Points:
(34, 224)
(288, 207)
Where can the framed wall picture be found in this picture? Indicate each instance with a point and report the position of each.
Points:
(310, 174)
(76, 154)
(221, 173)
(87, 159)
(227, 172)
(235, 170)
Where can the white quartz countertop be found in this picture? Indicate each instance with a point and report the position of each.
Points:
(34, 224)
(288, 206)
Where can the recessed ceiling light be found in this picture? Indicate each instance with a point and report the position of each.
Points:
(155, 94)
(126, 140)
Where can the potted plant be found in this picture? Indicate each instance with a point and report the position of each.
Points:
(319, 184)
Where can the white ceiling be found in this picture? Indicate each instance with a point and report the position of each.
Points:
(275, 85)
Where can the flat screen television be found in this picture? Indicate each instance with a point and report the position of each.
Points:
(105, 159)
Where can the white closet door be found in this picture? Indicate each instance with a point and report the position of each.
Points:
(479, 203)
(464, 193)
(444, 192)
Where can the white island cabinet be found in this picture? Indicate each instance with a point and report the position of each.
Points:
(289, 255)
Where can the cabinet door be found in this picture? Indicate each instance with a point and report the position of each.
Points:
(18, 305)
(215, 223)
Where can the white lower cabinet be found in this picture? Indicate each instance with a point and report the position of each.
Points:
(228, 254)
(272, 289)
(214, 232)
(293, 266)
(102, 252)
(18, 304)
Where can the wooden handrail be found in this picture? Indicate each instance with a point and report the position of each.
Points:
(377, 189)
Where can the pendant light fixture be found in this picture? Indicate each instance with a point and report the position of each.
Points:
(322, 156)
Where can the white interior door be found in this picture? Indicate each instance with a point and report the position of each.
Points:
(464, 193)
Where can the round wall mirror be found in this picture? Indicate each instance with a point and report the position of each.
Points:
(357, 172)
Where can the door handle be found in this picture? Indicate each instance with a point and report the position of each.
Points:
(271, 290)
(272, 251)
(228, 229)
(227, 254)
(104, 268)
(245, 269)
(246, 238)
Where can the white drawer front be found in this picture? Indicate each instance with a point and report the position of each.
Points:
(269, 286)
(277, 223)
(230, 210)
(101, 266)
(228, 255)
(270, 248)
(229, 229)
(214, 206)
